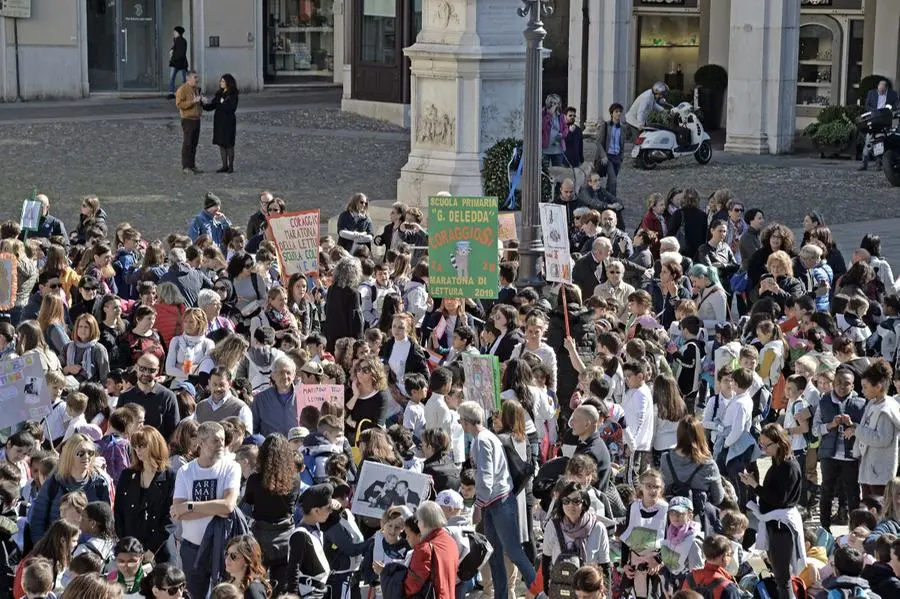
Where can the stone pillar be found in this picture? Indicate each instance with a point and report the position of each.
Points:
(886, 58)
(576, 47)
(609, 51)
(467, 92)
(715, 27)
(762, 76)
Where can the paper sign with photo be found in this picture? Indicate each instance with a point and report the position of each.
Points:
(554, 226)
(482, 381)
(381, 486)
(23, 391)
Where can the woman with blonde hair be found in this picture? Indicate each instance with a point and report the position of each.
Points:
(243, 563)
(780, 283)
(84, 356)
(188, 350)
(402, 353)
(227, 354)
(52, 320)
(369, 403)
(354, 224)
(30, 340)
(276, 313)
(144, 494)
(75, 471)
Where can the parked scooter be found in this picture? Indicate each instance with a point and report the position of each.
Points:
(657, 144)
(884, 143)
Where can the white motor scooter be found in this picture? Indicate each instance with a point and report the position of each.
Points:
(656, 144)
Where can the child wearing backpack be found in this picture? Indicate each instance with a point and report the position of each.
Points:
(474, 548)
(97, 525)
(847, 581)
(714, 412)
(680, 551)
(318, 447)
(713, 581)
(734, 527)
(645, 528)
(797, 421)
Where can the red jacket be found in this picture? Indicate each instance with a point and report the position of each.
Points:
(650, 222)
(716, 578)
(435, 558)
(168, 321)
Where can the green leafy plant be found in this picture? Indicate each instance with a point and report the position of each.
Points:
(495, 170)
(711, 76)
(830, 114)
(677, 96)
(869, 83)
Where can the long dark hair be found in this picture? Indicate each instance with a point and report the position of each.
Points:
(518, 377)
(55, 545)
(565, 489)
(231, 83)
(276, 465)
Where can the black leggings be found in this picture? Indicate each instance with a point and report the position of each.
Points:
(781, 554)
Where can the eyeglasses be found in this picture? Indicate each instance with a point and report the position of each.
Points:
(172, 591)
(232, 555)
(765, 445)
(571, 501)
(56, 286)
(146, 369)
(85, 453)
(737, 209)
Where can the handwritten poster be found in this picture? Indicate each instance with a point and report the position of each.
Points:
(316, 395)
(462, 247)
(506, 222)
(31, 215)
(297, 239)
(8, 281)
(23, 391)
(482, 381)
(554, 231)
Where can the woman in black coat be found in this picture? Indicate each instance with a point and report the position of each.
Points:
(694, 221)
(343, 307)
(438, 465)
(225, 104)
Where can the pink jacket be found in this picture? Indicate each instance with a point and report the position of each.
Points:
(545, 130)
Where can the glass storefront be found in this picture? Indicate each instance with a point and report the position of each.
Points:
(668, 50)
(299, 39)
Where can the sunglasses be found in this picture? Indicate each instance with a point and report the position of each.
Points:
(737, 209)
(232, 555)
(146, 369)
(172, 591)
(571, 501)
(56, 286)
(85, 453)
(220, 289)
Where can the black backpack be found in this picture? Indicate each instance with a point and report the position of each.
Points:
(562, 572)
(520, 471)
(480, 551)
(678, 488)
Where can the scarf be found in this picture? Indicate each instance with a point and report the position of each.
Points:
(87, 357)
(578, 532)
(676, 534)
(135, 586)
(278, 320)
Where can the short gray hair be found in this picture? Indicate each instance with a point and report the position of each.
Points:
(177, 256)
(284, 362)
(430, 516)
(207, 297)
(169, 293)
(208, 429)
(602, 243)
(671, 243)
(811, 252)
(471, 412)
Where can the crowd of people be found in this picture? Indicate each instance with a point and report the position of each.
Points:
(689, 418)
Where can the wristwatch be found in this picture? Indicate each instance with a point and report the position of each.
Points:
(190, 505)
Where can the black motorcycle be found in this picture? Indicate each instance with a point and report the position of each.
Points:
(885, 140)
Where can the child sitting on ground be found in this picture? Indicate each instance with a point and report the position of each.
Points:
(816, 561)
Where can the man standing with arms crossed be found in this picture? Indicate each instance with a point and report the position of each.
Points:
(189, 101)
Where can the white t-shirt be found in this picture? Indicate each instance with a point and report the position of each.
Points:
(798, 441)
(193, 483)
(414, 418)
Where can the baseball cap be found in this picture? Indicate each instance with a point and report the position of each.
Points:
(681, 504)
(297, 433)
(449, 498)
(313, 368)
(185, 386)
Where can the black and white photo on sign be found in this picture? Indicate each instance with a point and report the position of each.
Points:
(381, 486)
(554, 226)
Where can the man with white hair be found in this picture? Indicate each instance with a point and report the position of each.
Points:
(48, 225)
(275, 409)
(621, 243)
(818, 278)
(494, 494)
(672, 249)
(590, 270)
(189, 280)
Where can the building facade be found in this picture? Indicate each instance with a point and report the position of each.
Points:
(74, 48)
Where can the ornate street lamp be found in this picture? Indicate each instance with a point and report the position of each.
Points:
(530, 244)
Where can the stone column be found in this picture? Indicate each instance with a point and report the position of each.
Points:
(467, 91)
(762, 76)
(886, 58)
(715, 27)
(608, 57)
(576, 47)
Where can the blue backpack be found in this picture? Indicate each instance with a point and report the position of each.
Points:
(314, 466)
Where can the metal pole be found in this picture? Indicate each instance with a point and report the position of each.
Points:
(530, 244)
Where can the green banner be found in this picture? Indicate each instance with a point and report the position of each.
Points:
(462, 247)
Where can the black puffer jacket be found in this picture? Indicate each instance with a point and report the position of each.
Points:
(581, 327)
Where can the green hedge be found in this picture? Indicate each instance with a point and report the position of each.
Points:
(495, 171)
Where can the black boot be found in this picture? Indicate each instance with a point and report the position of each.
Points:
(223, 153)
(230, 153)
(815, 495)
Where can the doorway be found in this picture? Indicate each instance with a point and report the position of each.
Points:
(123, 45)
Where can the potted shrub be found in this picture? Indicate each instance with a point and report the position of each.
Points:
(712, 81)
(834, 131)
(496, 167)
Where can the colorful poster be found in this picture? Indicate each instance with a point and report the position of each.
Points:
(8, 281)
(23, 391)
(554, 231)
(482, 381)
(31, 215)
(462, 247)
(506, 230)
(316, 395)
(296, 236)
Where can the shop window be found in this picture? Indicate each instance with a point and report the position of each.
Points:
(817, 71)
(854, 60)
(379, 31)
(300, 38)
(669, 50)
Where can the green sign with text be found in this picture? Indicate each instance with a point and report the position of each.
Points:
(462, 247)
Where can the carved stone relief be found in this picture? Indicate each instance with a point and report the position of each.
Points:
(445, 14)
(435, 127)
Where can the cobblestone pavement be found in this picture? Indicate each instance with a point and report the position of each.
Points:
(300, 146)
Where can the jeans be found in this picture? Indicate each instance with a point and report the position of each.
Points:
(501, 527)
(781, 554)
(196, 575)
(173, 73)
(191, 130)
(613, 166)
(732, 470)
(841, 476)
